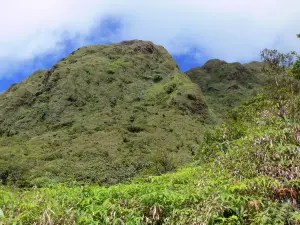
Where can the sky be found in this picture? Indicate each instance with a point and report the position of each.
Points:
(35, 34)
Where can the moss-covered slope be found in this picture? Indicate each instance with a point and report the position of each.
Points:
(103, 113)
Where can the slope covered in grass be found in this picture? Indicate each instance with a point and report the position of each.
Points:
(102, 114)
(246, 172)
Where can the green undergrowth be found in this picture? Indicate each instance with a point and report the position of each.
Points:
(203, 194)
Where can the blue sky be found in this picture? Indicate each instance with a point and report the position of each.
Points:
(193, 31)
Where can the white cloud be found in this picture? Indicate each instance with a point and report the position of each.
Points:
(233, 30)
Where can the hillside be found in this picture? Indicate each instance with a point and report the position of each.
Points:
(102, 114)
(225, 85)
(246, 172)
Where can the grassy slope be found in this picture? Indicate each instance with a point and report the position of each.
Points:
(225, 85)
(108, 112)
(246, 173)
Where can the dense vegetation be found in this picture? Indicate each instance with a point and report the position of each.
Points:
(245, 171)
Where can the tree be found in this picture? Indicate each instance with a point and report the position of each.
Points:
(283, 68)
(277, 63)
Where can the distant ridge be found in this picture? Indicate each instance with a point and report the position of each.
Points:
(225, 85)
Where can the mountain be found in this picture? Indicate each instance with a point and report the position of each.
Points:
(109, 112)
(225, 85)
(104, 113)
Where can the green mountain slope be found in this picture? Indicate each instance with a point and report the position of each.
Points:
(103, 113)
(225, 85)
(247, 172)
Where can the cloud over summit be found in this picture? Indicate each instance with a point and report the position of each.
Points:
(232, 30)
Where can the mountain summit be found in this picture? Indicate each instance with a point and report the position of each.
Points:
(104, 113)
